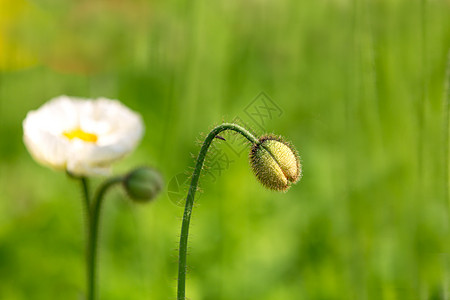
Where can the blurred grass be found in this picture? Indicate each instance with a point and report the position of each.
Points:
(361, 85)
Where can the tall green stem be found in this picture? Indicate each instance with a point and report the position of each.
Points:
(190, 199)
(85, 187)
(87, 209)
(94, 218)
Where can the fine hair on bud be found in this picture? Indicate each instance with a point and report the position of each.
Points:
(275, 163)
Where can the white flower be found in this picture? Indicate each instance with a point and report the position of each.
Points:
(81, 136)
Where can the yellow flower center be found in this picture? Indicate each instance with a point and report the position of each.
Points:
(80, 134)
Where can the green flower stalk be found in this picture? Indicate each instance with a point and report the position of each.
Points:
(93, 209)
(142, 184)
(275, 163)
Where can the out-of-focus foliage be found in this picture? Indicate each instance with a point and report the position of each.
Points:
(357, 86)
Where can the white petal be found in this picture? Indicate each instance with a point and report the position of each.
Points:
(45, 147)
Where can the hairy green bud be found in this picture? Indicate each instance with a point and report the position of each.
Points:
(143, 184)
(275, 163)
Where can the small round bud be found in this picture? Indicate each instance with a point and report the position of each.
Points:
(275, 163)
(143, 184)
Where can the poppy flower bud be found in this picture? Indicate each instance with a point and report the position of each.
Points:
(275, 163)
(143, 184)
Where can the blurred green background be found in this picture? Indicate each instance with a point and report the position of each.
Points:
(359, 87)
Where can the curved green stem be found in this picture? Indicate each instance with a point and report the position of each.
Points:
(190, 199)
(94, 218)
